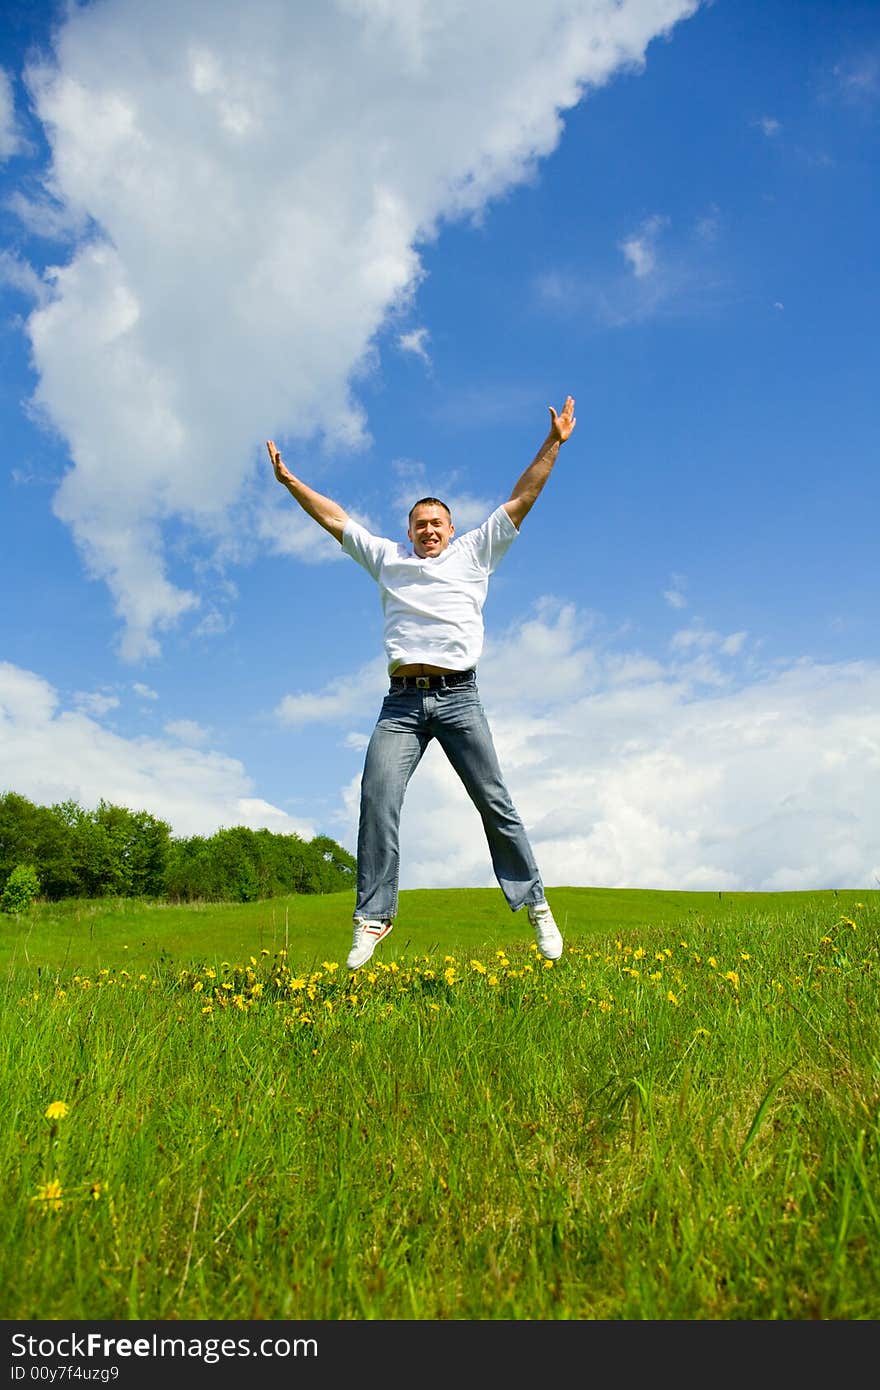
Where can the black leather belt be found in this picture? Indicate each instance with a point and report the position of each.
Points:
(431, 682)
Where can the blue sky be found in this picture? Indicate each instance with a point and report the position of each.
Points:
(389, 236)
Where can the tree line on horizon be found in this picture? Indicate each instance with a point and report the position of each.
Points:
(69, 851)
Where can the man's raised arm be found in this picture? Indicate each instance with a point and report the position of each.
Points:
(327, 513)
(527, 488)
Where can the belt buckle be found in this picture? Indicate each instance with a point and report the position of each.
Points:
(423, 682)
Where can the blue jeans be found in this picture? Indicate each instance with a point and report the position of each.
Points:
(407, 722)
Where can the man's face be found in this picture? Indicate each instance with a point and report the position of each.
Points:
(430, 530)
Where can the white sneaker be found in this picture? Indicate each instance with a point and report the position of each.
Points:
(367, 935)
(547, 934)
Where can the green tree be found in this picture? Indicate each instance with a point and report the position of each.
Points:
(22, 887)
(136, 847)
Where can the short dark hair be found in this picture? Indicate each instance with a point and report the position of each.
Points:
(423, 501)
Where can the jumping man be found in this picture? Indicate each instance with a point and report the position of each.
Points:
(433, 592)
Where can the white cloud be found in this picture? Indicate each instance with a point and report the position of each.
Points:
(681, 775)
(705, 640)
(187, 731)
(706, 227)
(675, 595)
(416, 342)
(49, 754)
(347, 696)
(769, 125)
(21, 276)
(640, 249)
(859, 78)
(144, 691)
(686, 278)
(95, 702)
(257, 194)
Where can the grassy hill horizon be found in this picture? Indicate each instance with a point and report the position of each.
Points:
(128, 933)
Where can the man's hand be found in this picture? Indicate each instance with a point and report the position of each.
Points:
(561, 425)
(322, 509)
(281, 473)
(527, 488)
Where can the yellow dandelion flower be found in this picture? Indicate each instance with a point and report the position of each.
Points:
(671, 998)
(198, 987)
(297, 984)
(435, 1008)
(328, 1005)
(732, 976)
(449, 976)
(744, 955)
(51, 1194)
(57, 1110)
(639, 953)
(548, 964)
(478, 966)
(702, 1033)
(95, 1190)
(712, 961)
(492, 980)
(860, 904)
(208, 1009)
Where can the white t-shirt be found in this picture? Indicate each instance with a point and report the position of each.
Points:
(433, 607)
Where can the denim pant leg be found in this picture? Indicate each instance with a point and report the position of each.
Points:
(461, 727)
(393, 754)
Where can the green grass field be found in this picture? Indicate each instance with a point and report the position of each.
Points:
(205, 1116)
